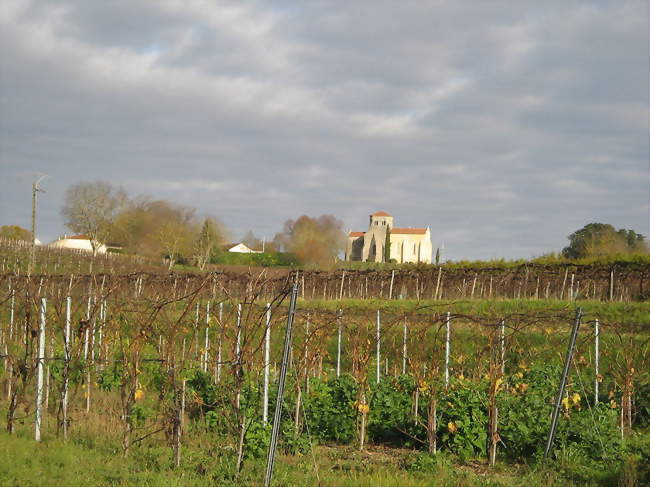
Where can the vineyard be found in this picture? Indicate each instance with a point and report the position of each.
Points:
(618, 280)
(406, 371)
(190, 364)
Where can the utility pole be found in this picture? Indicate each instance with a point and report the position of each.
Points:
(32, 257)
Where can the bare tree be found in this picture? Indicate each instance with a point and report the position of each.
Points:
(90, 208)
(209, 238)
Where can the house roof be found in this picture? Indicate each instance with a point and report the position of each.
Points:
(381, 213)
(356, 234)
(408, 231)
(75, 237)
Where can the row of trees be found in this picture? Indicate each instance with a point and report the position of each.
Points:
(160, 228)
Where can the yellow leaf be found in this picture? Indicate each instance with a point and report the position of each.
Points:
(451, 426)
(139, 395)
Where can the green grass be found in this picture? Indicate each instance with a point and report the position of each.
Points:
(26, 463)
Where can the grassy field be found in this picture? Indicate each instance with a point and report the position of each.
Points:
(85, 462)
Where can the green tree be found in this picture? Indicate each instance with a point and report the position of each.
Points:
(598, 239)
(14, 232)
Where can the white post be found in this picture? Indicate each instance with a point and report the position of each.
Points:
(378, 346)
(404, 349)
(267, 356)
(220, 340)
(207, 337)
(238, 344)
(392, 279)
(238, 348)
(66, 351)
(596, 358)
(447, 347)
(11, 313)
(338, 349)
(502, 340)
(39, 371)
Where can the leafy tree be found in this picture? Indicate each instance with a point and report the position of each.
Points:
(14, 232)
(598, 239)
(91, 208)
(314, 241)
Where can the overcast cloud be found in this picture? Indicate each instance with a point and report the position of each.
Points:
(504, 126)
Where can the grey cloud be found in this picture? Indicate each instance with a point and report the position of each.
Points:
(504, 126)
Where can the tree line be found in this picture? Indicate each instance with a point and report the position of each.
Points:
(159, 228)
(156, 228)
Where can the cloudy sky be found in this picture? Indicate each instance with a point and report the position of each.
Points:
(504, 126)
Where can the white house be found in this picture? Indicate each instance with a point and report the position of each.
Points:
(241, 248)
(77, 242)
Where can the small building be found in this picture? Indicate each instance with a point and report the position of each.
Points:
(77, 242)
(383, 242)
(240, 248)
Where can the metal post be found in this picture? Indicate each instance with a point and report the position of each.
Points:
(283, 374)
(565, 373)
(596, 358)
(267, 353)
(378, 346)
(447, 348)
(338, 349)
(39, 371)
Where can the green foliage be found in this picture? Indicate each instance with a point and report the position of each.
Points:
(330, 411)
(463, 418)
(596, 239)
(258, 436)
(140, 413)
(524, 411)
(14, 232)
(266, 259)
(391, 418)
(111, 377)
(428, 463)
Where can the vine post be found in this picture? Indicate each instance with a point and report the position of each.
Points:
(40, 359)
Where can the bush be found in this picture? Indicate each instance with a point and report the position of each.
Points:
(329, 409)
(391, 418)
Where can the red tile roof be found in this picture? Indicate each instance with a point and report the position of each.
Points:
(357, 234)
(409, 231)
(381, 213)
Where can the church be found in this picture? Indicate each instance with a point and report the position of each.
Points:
(385, 243)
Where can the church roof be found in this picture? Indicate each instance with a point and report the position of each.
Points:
(408, 231)
(357, 234)
(381, 213)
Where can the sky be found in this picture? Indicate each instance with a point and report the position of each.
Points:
(504, 126)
